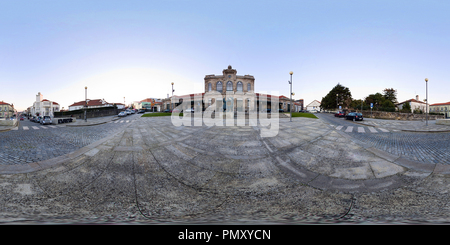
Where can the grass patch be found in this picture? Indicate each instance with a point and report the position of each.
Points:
(159, 114)
(302, 114)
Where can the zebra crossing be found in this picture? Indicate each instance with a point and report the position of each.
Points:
(121, 121)
(36, 127)
(360, 129)
(47, 127)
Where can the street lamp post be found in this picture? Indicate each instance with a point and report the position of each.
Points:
(337, 104)
(290, 107)
(172, 97)
(85, 103)
(426, 106)
(361, 105)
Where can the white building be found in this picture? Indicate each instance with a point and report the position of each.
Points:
(90, 104)
(415, 104)
(313, 106)
(44, 107)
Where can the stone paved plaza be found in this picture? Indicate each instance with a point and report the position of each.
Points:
(149, 171)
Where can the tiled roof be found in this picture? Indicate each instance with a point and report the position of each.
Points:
(147, 100)
(447, 103)
(90, 103)
(3, 103)
(411, 100)
(54, 103)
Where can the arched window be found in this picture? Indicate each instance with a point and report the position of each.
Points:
(229, 86)
(249, 87)
(219, 87)
(209, 87)
(239, 86)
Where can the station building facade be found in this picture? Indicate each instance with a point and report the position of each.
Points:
(231, 83)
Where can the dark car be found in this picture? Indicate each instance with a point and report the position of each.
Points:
(141, 111)
(354, 116)
(339, 114)
(168, 110)
(280, 110)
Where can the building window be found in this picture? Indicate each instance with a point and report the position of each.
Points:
(249, 87)
(219, 87)
(239, 86)
(209, 87)
(229, 86)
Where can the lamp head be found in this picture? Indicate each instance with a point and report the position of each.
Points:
(291, 73)
(426, 79)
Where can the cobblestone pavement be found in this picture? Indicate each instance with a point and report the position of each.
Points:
(154, 172)
(389, 136)
(31, 142)
(413, 126)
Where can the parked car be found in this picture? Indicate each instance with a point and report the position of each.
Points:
(122, 114)
(167, 110)
(339, 114)
(128, 112)
(38, 119)
(46, 120)
(354, 116)
(141, 111)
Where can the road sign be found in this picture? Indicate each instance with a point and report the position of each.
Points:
(371, 105)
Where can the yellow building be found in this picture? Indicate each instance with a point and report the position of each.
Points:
(443, 108)
(6, 110)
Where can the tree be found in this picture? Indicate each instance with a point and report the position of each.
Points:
(331, 101)
(406, 108)
(390, 94)
(356, 104)
(377, 100)
(388, 104)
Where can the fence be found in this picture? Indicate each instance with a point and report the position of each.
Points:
(90, 113)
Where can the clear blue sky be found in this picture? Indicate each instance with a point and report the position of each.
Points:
(135, 49)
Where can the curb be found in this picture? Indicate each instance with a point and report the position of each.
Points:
(10, 128)
(405, 130)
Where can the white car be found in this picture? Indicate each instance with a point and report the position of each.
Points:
(46, 120)
(122, 114)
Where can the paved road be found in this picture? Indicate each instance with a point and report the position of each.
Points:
(151, 171)
(420, 146)
(32, 142)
